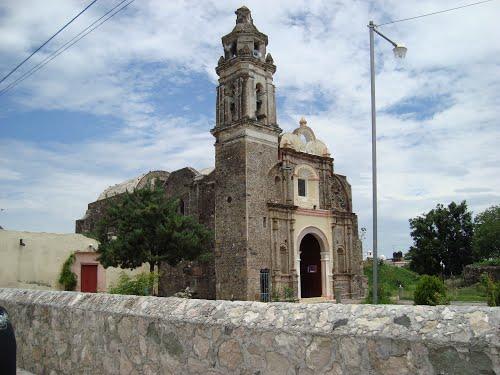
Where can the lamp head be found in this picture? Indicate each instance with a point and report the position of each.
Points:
(400, 51)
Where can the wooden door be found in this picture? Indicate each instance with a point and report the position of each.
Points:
(310, 267)
(89, 278)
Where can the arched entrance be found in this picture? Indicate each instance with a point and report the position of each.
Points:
(310, 267)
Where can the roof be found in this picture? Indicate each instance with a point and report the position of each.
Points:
(303, 140)
(121, 188)
(133, 183)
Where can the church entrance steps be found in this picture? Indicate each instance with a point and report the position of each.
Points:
(316, 300)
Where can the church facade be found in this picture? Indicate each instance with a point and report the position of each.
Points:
(282, 218)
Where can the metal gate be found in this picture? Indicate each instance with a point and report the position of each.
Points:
(264, 285)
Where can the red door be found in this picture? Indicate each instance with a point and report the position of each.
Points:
(89, 278)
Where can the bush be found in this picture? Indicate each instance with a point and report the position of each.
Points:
(431, 291)
(492, 290)
(139, 285)
(288, 294)
(67, 278)
(383, 295)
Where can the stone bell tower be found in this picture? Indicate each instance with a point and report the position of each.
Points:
(246, 148)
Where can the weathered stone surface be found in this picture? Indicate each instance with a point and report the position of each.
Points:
(75, 333)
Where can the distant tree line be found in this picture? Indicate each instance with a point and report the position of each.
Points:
(446, 239)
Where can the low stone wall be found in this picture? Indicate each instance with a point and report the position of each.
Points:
(77, 333)
(472, 273)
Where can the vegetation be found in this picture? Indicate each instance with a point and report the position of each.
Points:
(486, 242)
(146, 227)
(458, 292)
(286, 294)
(430, 290)
(492, 290)
(67, 278)
(390, 278)
(442, 236)
(140, 285)
(487, 262)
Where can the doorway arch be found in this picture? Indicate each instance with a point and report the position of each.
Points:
(310, 267)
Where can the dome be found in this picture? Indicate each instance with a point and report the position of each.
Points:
(303, 140)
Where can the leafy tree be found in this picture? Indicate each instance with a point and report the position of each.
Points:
(444, 234)
(146, 227)
(486, 242)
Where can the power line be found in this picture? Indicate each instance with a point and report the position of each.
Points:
(67, 45)
(48, 40)
(431, 14)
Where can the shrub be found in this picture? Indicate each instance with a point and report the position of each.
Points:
(140, 285)
(383, 295)
(288, 294)
(492, 290)
(431, 291)
(67, 278)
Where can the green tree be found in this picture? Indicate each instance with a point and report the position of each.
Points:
(146, 227)
(486, 241)
(444, 234)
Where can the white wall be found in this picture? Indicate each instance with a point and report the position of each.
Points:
(37, 265)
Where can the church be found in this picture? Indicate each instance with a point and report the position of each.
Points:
(282, 218)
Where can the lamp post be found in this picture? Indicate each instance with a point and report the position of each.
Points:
(400, 52)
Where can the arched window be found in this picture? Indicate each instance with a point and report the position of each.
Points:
(259, 99)
(233, 49)
(232, 105)
(182, 207)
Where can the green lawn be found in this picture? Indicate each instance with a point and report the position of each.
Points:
(391, 277)
(473, 293)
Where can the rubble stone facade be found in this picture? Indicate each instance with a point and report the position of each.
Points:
(282, 218)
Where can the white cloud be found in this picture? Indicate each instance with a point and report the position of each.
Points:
(321, 50)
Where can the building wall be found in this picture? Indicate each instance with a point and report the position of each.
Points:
(75, 333)
(37, 265)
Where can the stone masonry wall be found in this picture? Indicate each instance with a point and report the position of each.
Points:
(473, 273)
(78, 333)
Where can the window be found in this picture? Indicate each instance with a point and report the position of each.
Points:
(258, 101)
(182, 207)
(302, 187)
(264, 285)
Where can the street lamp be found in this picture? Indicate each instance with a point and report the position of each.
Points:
(399, 52)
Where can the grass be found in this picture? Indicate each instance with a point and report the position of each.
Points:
(473, 293)
(391, 277)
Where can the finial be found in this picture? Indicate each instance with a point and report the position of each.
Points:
(303, 122)
(243, 15)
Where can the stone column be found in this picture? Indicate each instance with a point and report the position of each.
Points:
(326, 290)
(245, 99)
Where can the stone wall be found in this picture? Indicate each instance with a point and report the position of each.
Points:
(472, 273)
(76, 333)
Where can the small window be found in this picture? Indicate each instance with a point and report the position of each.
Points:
(302, 187)
(264, 285)
(264, 222)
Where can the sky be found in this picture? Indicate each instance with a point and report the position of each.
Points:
(138, 94)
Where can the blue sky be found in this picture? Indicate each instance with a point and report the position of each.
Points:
(138, 94)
